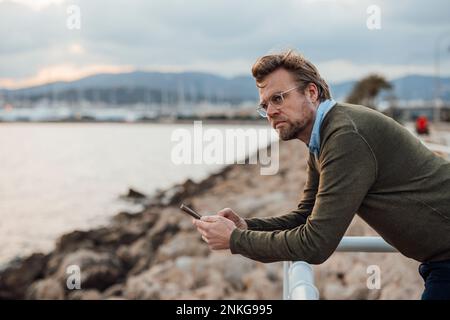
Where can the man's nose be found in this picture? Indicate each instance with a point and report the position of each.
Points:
(271, 111)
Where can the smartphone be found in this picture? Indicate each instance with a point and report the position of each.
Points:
(189, 211)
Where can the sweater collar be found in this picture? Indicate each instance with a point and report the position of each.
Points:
(322, 110)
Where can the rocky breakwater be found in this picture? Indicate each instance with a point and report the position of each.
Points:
(157, 253)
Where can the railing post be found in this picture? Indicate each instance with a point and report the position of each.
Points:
(301, 282)
(286, 265)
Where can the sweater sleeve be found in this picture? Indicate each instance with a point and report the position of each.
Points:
(347, 171)
(296, 217)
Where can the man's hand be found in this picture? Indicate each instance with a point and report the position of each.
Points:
(215, 230)
(230, 214)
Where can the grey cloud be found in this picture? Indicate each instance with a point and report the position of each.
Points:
(143, 33)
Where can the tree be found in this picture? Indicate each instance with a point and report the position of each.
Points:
(367, 89)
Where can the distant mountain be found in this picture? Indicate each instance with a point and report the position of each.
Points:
(421, 87)
(157, 87)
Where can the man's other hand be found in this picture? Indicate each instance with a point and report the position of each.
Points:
(231, 215)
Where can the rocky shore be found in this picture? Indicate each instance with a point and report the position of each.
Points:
(157, 253)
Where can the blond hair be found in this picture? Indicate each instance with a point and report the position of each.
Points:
(303, 71)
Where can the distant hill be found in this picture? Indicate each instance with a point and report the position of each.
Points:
(157, 87)
(145, 87)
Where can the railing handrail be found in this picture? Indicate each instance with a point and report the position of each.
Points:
(298, 281)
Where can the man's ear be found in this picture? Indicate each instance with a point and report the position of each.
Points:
(312, 92)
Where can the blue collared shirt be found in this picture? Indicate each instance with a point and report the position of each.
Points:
(322, 110)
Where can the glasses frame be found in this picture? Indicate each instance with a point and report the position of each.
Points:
(262, 108)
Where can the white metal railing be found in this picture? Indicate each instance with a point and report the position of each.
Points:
(298, 280)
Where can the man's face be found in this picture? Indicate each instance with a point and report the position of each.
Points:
(294, 118)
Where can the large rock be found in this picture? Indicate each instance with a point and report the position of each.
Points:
(260, 285)
(107, 237)
(46, 289)
(233, 268)
(143, 286)
(99, 270)
(182, 244)
(91, 294)
(162, 281)
(114, 291)
(166, 226)
(101, 239)
(134, 194)
(137, 256)
(20, 274)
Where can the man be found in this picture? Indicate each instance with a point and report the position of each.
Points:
(360, 162)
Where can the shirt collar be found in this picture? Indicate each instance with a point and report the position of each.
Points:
(322, 110)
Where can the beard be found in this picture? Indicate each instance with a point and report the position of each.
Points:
(290, 130)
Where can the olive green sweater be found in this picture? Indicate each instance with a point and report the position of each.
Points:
(368, 165)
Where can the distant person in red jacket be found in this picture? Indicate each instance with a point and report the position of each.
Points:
(422, 125)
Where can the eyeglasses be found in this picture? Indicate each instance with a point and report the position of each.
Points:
(275, 100)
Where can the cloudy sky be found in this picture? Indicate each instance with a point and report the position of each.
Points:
(220, 36)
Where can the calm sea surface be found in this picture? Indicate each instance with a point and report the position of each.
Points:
(57, 177)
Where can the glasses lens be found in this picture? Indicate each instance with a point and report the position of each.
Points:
(262, 112)
(277, 99)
